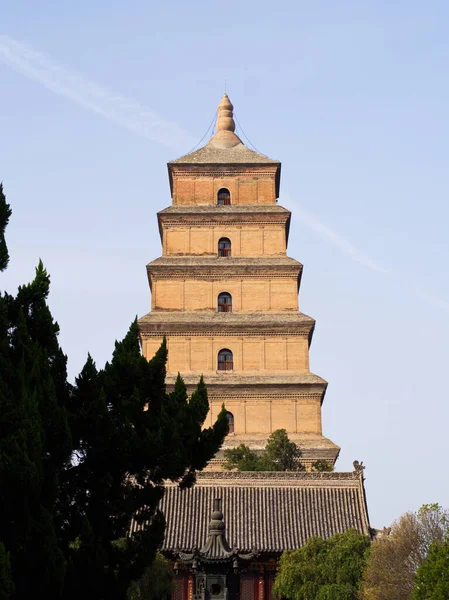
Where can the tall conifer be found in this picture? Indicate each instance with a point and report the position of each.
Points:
(5, 213)
(78, 463)
(131, 436)
(35, 444)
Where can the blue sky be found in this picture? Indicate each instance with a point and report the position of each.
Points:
(351, 96)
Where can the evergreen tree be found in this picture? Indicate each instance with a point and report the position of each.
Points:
(34, 437)
(280, 454)
(6, 582)
(5, 213)
(35, 444)
(130, 436)
(322, 466)
(156, 582)
(76, 464)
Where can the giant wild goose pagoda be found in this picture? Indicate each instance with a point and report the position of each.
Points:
(225, 297)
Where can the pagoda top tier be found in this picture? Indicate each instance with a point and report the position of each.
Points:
(224, 147)
(224, 162)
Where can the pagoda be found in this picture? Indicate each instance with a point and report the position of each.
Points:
(225, 297)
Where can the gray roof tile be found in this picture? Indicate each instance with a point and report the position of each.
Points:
(269, 515)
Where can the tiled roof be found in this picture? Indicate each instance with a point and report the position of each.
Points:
(268, 512)
(225, 323)
(213, 317)
(234, 261)
(255, 380)
(227, 209)
(211, 155)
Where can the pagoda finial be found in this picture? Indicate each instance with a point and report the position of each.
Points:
(225, 119)
(224, 131)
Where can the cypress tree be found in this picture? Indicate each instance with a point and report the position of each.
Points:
(5, 213)
(130, 436)
(78, 463)
(35, 441)
(6, 582)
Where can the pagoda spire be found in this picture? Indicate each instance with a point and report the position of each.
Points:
(225, 126)
(225, 117)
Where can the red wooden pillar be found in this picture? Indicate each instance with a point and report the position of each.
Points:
(190, 588)
(261, 587)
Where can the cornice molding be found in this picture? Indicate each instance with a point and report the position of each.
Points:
(266, 396)
(189, 171)
(188, 223)
(220, 333)
(184, 274)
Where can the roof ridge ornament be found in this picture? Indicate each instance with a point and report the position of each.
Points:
(217, 548)
(359, 467)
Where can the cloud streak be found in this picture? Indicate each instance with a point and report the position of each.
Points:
(123, 111)
(135, 117)
(334, 239)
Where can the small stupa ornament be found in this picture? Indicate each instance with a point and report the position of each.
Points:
(225, 120)
(225, 127)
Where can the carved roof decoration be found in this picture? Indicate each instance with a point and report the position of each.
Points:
(216, 547)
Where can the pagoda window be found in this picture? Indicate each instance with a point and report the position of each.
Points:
(224, 247)
(224, 302)
(225, 360)
(230, 421)
(223, 197)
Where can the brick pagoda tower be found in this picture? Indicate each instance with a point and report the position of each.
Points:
(225, 295)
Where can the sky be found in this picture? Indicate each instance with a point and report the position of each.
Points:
(352, 97)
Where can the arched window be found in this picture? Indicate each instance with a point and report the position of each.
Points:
(224, 247)
(230, 421)
(225, 361)
(223, 197)
(224, 302)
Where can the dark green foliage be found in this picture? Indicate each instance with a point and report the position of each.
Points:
(432, 576)
(6, 581)
(322, 466)
(35, 443)
(127, 430)
(280, 454)
(78, 462)
(243, 458)
(5, 213)
(156, 582)
(324, 569)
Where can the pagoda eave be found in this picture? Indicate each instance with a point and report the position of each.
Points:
(207, 323)
(258, 384)
(216, 267)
